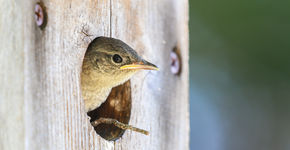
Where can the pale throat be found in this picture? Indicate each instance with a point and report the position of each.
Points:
(96, 87)
(93, 98)
(95, 90)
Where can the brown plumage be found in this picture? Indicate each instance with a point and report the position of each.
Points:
(108, 63)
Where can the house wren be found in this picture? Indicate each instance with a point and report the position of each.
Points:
(108, 62)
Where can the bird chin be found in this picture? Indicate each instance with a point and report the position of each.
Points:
(124, 78)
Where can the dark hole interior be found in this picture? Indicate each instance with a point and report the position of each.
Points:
(117, 106)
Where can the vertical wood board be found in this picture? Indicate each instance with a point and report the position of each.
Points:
(40, 80)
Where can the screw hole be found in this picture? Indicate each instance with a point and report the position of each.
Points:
(40, 15)
(175, 64)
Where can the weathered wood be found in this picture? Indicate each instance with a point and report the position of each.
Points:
(40, 77)
(12, 75)
(160, 99)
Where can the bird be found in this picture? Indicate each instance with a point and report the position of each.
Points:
(108, 62)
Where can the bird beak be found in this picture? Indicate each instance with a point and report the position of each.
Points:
(145, 65)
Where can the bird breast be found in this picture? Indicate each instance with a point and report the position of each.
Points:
(94, 97)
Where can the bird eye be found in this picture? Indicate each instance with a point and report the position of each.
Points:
(117, 58)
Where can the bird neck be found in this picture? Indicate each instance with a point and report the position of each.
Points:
(94, 94)
(96, 84)
(95, 89)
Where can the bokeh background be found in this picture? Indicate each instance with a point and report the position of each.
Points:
(240, 74)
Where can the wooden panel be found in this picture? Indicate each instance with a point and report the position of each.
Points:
(11, 75)
(160, 99)
(55, 110)
(40, 86)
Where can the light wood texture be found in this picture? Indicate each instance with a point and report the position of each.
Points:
(11, 75)
(40, 98)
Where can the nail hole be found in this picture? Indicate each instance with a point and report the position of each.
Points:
(117, 106)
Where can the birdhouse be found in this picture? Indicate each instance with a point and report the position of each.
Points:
(42, 49)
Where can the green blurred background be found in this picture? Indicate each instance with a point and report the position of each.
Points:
(240, 74)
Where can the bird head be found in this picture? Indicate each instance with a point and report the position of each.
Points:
(112, 61)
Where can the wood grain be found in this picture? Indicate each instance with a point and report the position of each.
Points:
(160, 99)
(40, 77)
(12, 74)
